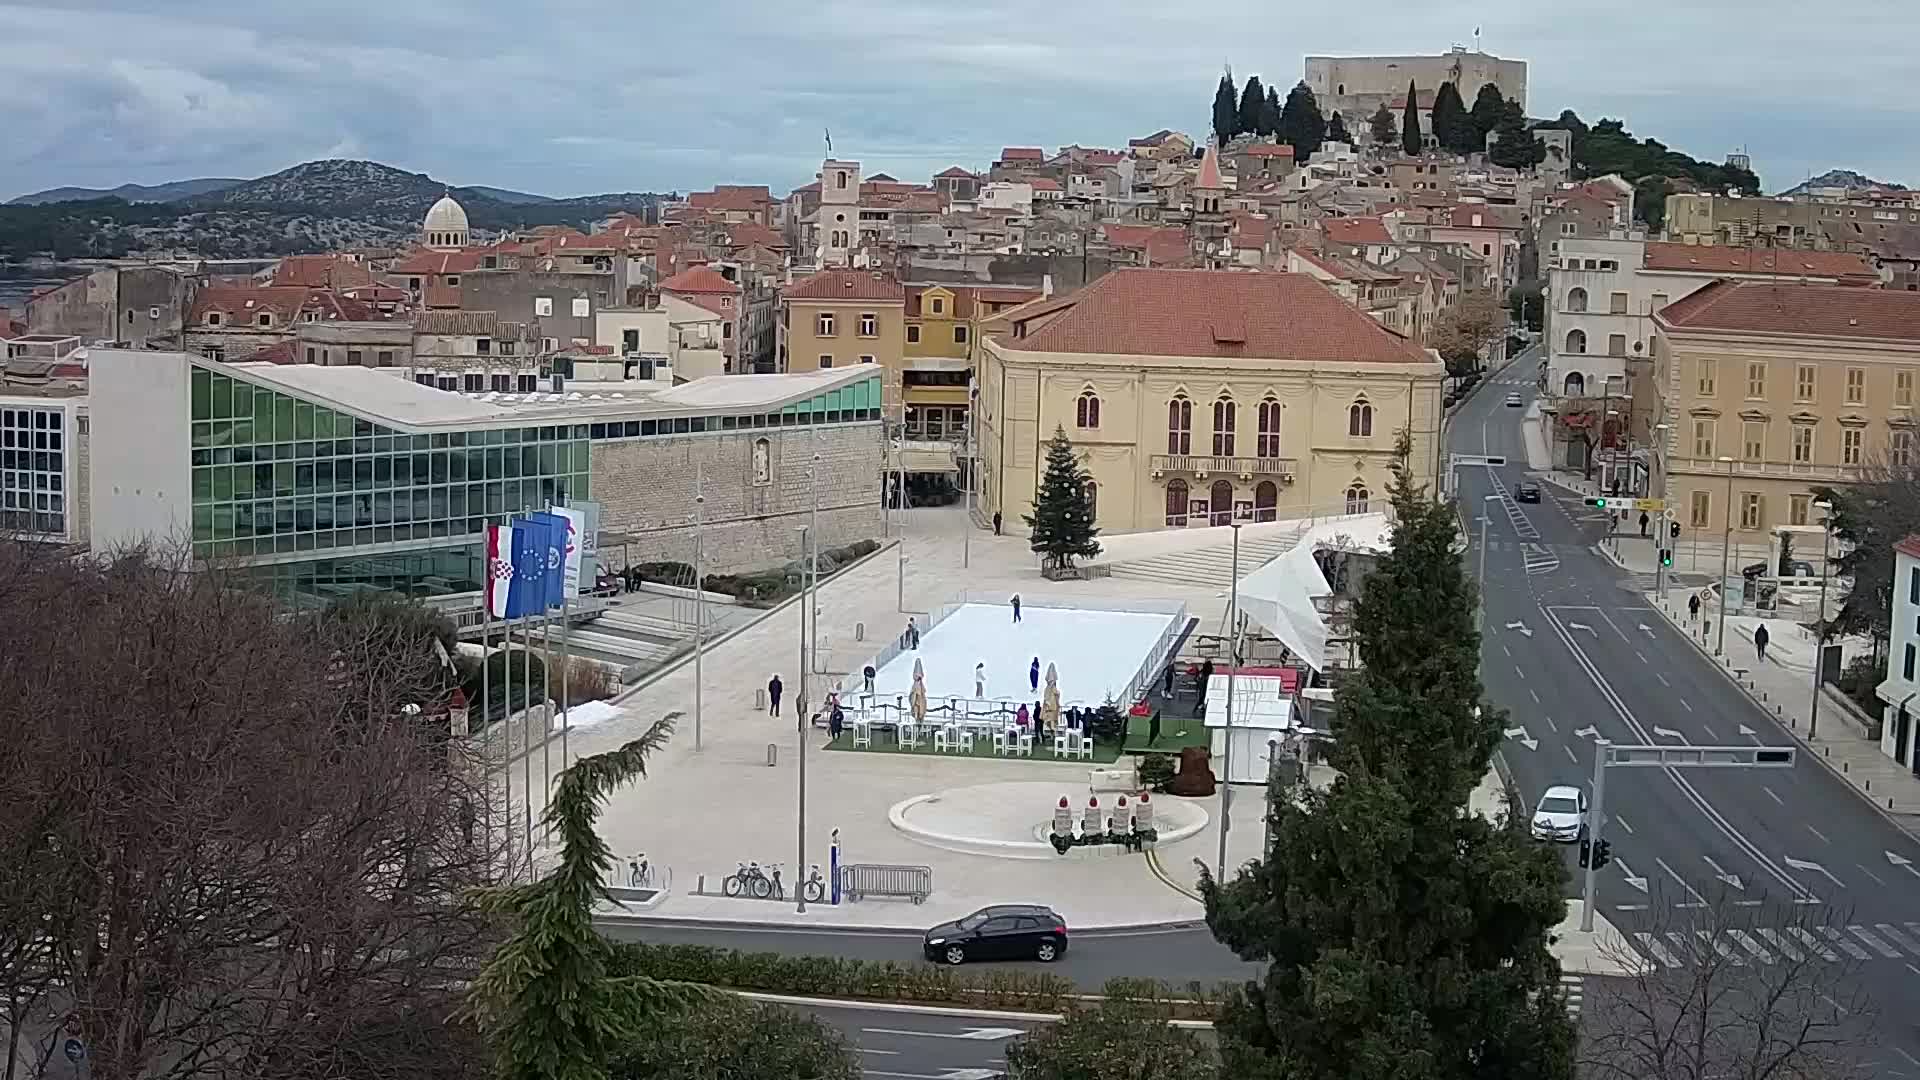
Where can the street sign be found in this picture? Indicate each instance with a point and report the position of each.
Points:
(1621, 502)
(1742, 757)
(1496, 461)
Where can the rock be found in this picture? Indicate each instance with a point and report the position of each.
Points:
(1194, 777)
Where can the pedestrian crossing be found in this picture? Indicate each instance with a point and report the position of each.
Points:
(1574, 987)
(1761, 945)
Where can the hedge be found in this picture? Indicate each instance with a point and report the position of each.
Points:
(767, 586)
(842, 977)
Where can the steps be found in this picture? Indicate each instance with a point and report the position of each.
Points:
(651, 627)
(1211, 565)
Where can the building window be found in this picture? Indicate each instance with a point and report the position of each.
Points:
(1616, 302)
(265, 318)
(500, 384)
(1700, 509)
(1757, 380)
(939, 305)
(869, 324)
(866, 358)
(1703, 438)
(913, 335)
(1225, 415)
(1616, 344)
(959, 335)
(1706, 383)
(355, 358)
(1753, 440)
(1913, 585)
(1802, 444)
(483, 346)
(543, 305)
(1176, 502)
(1180, 426)
(1752, 509)
(823, 324)
(1357, 496)
(1850, 446)
(473, 383)
(1360, 420)
(309, 354)
(1903, 388)
(1856, 385)
(1659, 301)
(1900, 449)
(526, 384)
(1804, 379)
(1576, 341)
(1267, 443)
(1906, 664)
(1798, 507)
(1576, 299)
(1575, 384)
(386, 357)
(1266, 500)
(826, 360)
(213, 318)
(215, 353)
(1086, 410)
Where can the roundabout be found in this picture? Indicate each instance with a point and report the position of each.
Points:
(1014, 820)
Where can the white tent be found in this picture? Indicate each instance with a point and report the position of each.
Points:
(1261, 712)
(1280, 596)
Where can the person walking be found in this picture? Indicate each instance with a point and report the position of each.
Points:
(868, 673)
(912, 637)
(1760, 638)
(1033, 674)
(996, 523)
(1167, 688)
(1016, 607)
(773, 696)
(1643, 522)
(980, 679)
(1693, 608)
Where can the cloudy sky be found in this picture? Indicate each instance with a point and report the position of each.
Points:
(568, 97)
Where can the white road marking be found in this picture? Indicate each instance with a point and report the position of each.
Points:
(1536, 697)
(1651, 945)
(1746, 942)
(1662, 678)
(1893, 934)
(1622, 822)
(1787, 948)
(1521, 670)
(1555, 728)
(1879, 946)
(1870, 874)
(1699, 900)
(1641, 655)
(1506, 650)
(1771, 795)
(1726, 952)
(1833, 934)
(1710, 733)
(1815, 945)
(1818, 833)
(1910, 1058)
(1571, 756)
(1683, 704)
(1837, 1007)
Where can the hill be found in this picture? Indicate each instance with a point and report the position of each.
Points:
(155, 193)
(506, 196)
(1842, 178)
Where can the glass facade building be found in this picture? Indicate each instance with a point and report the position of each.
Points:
(33, 471)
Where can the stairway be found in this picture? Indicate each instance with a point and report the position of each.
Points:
(1211, 565)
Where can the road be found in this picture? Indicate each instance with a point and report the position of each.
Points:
(1573, 651)
(899, 1045)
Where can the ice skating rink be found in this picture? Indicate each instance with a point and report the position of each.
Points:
(1096, 652)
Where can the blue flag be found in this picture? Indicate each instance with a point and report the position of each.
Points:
(527, 595)
(553, 539)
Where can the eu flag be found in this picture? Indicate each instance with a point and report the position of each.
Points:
(553, 539)
(527, 595)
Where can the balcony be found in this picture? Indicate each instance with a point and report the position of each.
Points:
(1244, 467)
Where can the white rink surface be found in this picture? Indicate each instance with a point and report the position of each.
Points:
(1096, 652)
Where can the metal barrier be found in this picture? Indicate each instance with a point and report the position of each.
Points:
(861, 880)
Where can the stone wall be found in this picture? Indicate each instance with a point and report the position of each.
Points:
(646, 488)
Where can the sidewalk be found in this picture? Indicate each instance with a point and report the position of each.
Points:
(1783, 685)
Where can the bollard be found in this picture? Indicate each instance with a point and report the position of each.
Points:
(760, 698)
(1869, 785)
(859, 631)
(1843, 768)
(773, 755)
(700, 885)
(1889, 804)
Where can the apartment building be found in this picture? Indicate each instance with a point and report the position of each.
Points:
(839, 318)
(1900, 690)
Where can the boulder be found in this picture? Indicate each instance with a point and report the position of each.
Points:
(1194, 778)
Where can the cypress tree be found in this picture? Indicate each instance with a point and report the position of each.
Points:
(1337, 129)
(1301, 125)
(1270, 116)
(1384, 130)
(1062, 519)
(1450, 123)
(1410, 140)
(1226, 110)
(1486, 110)
(1253, 107)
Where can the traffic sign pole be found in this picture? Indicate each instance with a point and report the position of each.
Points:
(1596, 819)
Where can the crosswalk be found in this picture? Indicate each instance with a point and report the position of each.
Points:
(1740, 946)
(1574, 987)
(1540, 558)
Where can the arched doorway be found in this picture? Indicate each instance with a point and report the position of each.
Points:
(1576, 384)
(1220, 503)
(1266, 500)
(1176, 503)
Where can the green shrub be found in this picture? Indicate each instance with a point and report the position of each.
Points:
(1858, 680)
(843, 977)
(1156, 770)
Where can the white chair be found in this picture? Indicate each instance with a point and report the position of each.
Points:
(1060, 742)
(966, 740)
(862, 734)
(1000, 740)
(1025, 745)
(909, 734)
(1085, 749)
(943, 738)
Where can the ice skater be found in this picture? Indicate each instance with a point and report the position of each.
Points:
(1033, 674)
(867, 673)
(773, 696)
(1016, 607)
(913, 635)
(980, 679)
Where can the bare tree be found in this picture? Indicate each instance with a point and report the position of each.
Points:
(1723, 989)
(248, 854)
(1464, 333)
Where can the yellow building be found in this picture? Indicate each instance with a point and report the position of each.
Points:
(943, 334)
(1770, 389)
(1198, 396)
(838, 318)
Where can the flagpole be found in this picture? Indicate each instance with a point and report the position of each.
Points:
(699, 600)
(546, 707)
(486, 674)
(565, 662)
(526, 732)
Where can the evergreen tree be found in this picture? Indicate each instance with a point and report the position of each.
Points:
(1403, 937)
(1226, 110)
(1410, 139)
(1337, 129)
(1301, 125)
(1270, 116)
(1062, 519)
(1384, 130)
(1451, 125)
(1253, 107)
(1516, 148)
(1486, 110)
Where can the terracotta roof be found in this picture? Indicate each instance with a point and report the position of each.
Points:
(1102, 157)
(1273, 150)
(280, 352)
(1156, 139)
(1042, 183)
(1705, 259)
(1909, 547)
(699, 279)
(438, 262)
(1162, 243)
(1218, 313)
(1022, 153)
(1251, 231)
(458, 323)
(1210, 169)
(240, 306)
(845, 285)
(1357, 230)
(439, 294)
(1842, 312)
(748, 197)
(956, 172)
(321, 271)
(747, 233)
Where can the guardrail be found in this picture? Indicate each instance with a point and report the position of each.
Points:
(861, 880)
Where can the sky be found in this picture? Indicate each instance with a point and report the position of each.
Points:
(574, 97)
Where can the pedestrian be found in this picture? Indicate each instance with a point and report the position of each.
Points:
(1167, 688)
(1693, 607)
(913, 635)
(1016, 607)
(1206, 672)
(980, 679)
(996, 523)
(1760, 639)
(1033, 674)
(836, 717)
(1020, 718)
(1643, 522)
(868, 673)
(773, 696)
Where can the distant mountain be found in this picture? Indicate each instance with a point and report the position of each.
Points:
(1842, 178)
(133, 193)
(506, 196)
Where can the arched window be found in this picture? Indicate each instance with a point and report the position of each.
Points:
(1357, 496)
(1576, 299)
(1086, 411)
(1180, 426)
(1576, 341)
(1360, 419)
(1576, 385)
(1176, 503)
(1093, 501)
(1266, 499)
(1267, 445)
(1220, 503)
(1224, 413)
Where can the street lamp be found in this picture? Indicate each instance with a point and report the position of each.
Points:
(699, 596)
(1233, 658)
(1820, 624)
(1726, 552)
(808, 650)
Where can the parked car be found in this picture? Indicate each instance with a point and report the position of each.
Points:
(1528, 492)
(1513, 400)
(1000, 932)
(1561, 815)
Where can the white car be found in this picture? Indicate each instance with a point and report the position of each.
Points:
(1561, 815)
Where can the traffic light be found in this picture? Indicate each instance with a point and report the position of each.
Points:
(1673, 529)
(1601, 854)
(1586, 851)
(1595, 501)
(1666, 556)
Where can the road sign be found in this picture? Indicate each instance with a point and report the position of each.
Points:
(74, 1049)
(1494, 460)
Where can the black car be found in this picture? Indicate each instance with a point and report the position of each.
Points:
(1527, 493)
(1000, 932)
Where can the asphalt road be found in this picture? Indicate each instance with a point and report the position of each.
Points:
(1779, 855)
(899, 1045)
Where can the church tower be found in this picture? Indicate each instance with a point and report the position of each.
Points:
(838, 222)
(1208, 226)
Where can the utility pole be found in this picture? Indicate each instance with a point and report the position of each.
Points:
(699, 595)
(808, 615)
(1820, 624)
(1726, 552)
(1233, 662)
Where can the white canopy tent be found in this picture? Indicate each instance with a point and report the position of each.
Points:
(1279, 597)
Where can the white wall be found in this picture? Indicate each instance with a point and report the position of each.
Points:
(1905, 635)
(140, 417)
(610, 325)
(1595, 366)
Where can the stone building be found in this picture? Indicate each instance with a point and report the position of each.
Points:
(1356, 86)
(232, 322)
(376, 344)
(139, 307)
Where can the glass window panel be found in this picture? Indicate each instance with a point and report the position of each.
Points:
(457, 466)
(243, 519)
(283, 478)
(223, 522)
(456, 502)
(222, 397)
(511, 462)
(303, 478)
(303, 450)
(437, 470)
(322, 423)
(202, 485)
(383, 471)
(549, 460)
(362, 428)
(243, 482)
(302, 420)
(496, 499)
(582, 457)
(363, 474)
(202, 434)
(202, 523)
(202, 394)
(436, 503)
(222, 483)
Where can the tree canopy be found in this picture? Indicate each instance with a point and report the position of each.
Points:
(1062, 519)
(1252, 113)
(1301, 125)
(1608, 147)
(1451, 124)
(1337, 129)
(1411, 140)
(1226, 110)
(1382, 126)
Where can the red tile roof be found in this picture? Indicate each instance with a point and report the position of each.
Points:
(1022, 153)
(749, 198)
(1251, 231)
(426, 261)
(1909, 547)
(700, 279)
(1156, 139)
(241, 305)
(438, 294)
(1162, 243)
(1273, 150)
(280, 352)
(956, 172)
(1210, 169)
(1841, 312)
(1355, 231)
(1042, 183)
(846, 285)
(321, 271)
(1218, 313)
(1739, 260)
(747, 233)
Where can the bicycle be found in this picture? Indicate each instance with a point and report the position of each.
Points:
(814, 889)
(639, 872)
(749, 880)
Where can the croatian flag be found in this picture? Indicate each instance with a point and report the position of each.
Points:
(499, 568)
(526, 593)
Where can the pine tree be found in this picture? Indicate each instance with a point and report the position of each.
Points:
(1410, 139)
(1403, 937)
(1270, 116)
(1337, 129)
(1226, 111)
(1384, 130)
(1301, 125)
(1451, 125)
(1253, 106)
(1062, 519)
(1516, 147)
(1486, 110)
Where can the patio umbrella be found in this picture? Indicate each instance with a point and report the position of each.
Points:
(917, 700)
(1050, 703)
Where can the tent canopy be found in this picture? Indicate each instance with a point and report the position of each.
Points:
(1280, 596)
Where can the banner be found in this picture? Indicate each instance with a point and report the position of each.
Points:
(575, 549)
(499, 568)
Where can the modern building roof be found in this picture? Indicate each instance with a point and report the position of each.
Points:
(846, 285)
(1706, 259)
(1798, 309)
(1216, 313)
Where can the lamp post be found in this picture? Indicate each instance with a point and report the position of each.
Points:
(699, 596)
(1233, 662)
(808, 616)
(1726, 552)
(1485, 514)
(1820, 624)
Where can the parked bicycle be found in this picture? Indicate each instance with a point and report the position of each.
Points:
(814, 888)
(639, 872)
(750, 880)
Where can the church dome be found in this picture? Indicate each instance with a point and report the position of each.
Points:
(446, 216)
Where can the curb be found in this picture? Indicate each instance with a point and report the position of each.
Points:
(751, 926)
(1160, 872)
(942, 1010)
